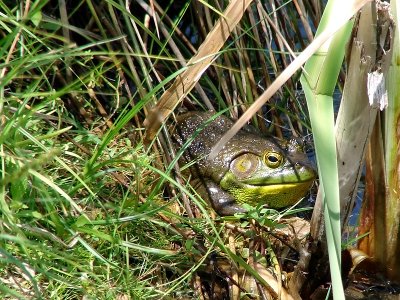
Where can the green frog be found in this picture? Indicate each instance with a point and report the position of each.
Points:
(249, 169)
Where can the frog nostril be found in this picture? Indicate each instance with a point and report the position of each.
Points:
(299, 166)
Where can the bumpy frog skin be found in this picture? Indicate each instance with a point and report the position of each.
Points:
(249, 169)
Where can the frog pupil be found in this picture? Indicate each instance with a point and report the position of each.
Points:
(273, 159)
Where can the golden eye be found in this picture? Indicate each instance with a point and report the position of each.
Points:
(244, 165)
(273, 159)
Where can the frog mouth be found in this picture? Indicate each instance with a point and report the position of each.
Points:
(286, 176)
(274, 195)
(261, 183)
(274, 188)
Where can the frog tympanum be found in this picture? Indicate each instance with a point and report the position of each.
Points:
(249, 169)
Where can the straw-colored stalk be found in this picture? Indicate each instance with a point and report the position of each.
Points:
(380, 215)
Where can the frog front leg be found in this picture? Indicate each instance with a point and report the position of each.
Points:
(222, 202)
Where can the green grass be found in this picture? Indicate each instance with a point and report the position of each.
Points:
(71, 223)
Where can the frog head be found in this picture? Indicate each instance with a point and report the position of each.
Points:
(276, 174)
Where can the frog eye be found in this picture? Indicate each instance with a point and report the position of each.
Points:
(273, 159)
(244, 165)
